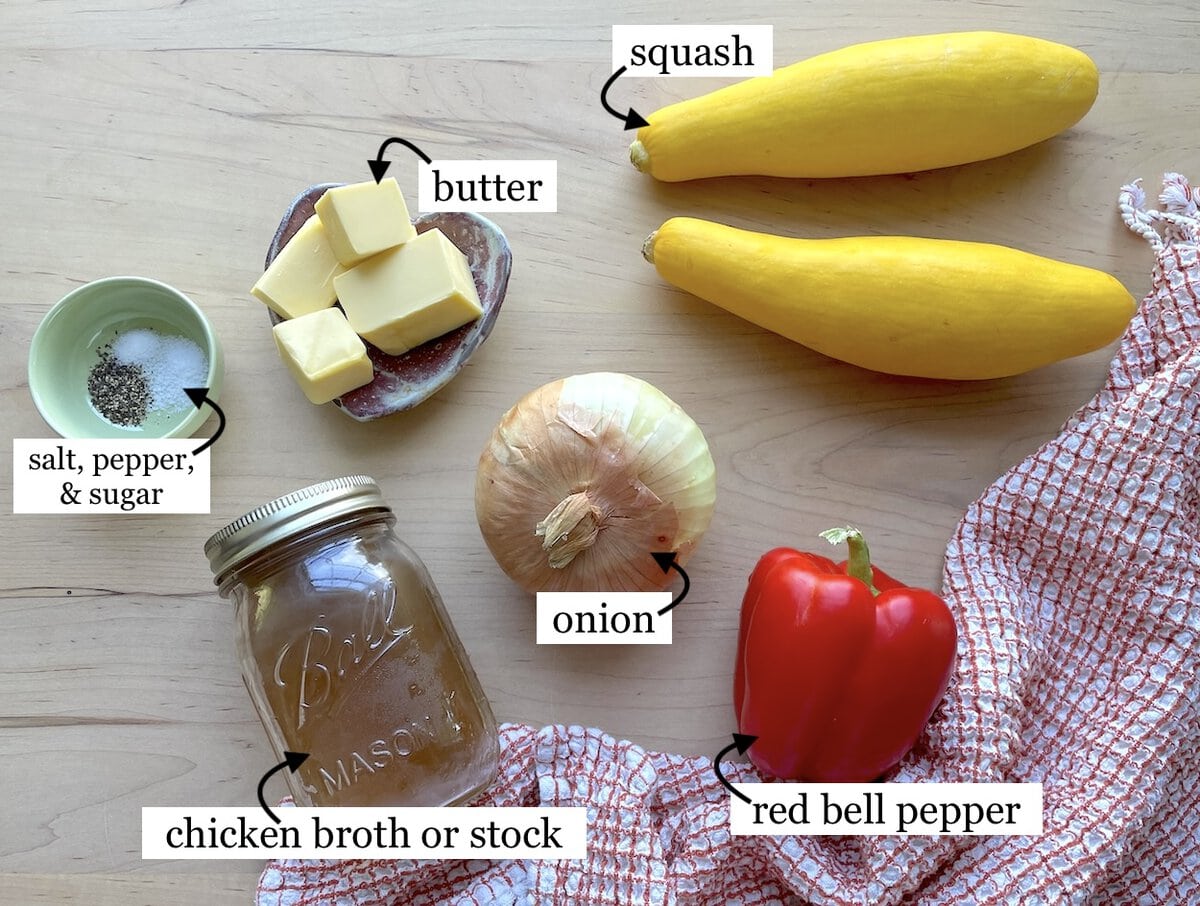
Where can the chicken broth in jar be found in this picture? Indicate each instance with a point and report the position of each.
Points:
(348, 654)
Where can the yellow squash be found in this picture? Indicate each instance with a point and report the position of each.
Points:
(892, 106)
(931, 308)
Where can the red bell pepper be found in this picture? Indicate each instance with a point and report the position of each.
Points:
(839, 666)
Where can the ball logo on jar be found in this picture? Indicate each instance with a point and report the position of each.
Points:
(323, 663)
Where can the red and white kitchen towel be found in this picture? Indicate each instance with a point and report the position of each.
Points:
(1074, 579)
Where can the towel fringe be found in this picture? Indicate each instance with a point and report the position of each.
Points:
(1178, 223)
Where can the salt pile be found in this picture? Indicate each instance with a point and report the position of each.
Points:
(170, 363)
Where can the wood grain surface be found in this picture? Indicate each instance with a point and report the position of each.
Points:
(166, 139)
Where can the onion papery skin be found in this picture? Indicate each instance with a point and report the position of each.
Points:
(635, 466)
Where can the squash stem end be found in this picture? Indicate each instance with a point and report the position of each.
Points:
(639, 157)
(648, 247)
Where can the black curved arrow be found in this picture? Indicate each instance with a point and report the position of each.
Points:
(633, 119)
(199, 396)
(379, 166)
(741, 742)
(291, 760)
(666, 559)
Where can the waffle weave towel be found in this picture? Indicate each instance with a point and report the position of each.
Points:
(1074, 580)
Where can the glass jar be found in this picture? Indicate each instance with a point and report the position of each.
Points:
(348, 653)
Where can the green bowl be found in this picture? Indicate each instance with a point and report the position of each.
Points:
(68, 343)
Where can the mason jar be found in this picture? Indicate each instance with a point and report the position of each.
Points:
(348, 653)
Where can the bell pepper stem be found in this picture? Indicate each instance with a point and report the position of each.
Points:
(858, 563)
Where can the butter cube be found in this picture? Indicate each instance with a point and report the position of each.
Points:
(403, 298)
(300, 279)
(364, 219)
(323, 354)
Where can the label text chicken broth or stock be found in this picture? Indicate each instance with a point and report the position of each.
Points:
(480, 832)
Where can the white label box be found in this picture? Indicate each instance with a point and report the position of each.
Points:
(519, 186)
(125, 477)
(464, 832)
(603, 618)
(853, 809)
(690, 51)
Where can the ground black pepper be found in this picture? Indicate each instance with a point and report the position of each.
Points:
(119, 392)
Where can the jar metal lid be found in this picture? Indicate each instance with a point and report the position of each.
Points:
(290, 515)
